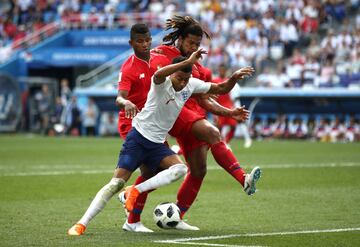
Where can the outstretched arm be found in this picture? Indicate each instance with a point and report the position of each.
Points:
(161, 74)
(239, 113)
(211, 105)
(225, 87)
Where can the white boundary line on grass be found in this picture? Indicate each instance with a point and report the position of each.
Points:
(56, 173)
(188, 241)
(71, 171)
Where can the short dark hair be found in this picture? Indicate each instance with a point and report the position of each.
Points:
(138, 28)
(187, 69)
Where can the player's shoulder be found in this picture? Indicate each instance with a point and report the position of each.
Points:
(128, 64)
(169, 50)
(160, 57)
(166, 47)
(208, 70)
(208, 73)
(202, 68)
(194, 80)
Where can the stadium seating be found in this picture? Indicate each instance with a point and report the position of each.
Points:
(308, 44)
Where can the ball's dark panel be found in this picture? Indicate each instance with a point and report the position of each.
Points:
(170, 211)
(172, 223)
(164, 203)
(158, 212)
(159, 224)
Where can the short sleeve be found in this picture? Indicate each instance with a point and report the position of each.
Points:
(199, 85)
(124, 81)
(208, 74)
(161, 85)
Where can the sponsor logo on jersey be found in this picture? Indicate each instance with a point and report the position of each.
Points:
(169, 100)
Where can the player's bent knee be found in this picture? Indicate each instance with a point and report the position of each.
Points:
(177, 171)
(214, 135)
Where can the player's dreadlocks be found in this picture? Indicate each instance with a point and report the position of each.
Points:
(182, 25)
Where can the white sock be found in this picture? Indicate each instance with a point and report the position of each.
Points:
(101, 198)
(245, 131)
(165, 177)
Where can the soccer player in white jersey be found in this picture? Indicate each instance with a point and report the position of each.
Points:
(145, 142)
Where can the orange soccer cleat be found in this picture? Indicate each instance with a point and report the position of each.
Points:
(131, 193)
(77, 230)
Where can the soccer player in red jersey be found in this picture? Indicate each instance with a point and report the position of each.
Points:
(193, 132)
(135, 78)
(226, 101)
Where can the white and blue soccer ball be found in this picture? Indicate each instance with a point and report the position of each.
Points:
(166, 215)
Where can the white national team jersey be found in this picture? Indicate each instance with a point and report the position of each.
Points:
(163, 106)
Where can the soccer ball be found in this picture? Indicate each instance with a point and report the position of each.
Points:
(166, 215)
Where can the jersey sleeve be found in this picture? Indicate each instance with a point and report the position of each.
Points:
(199, 85)
(160, 86)
(124, 81)
(208, 74)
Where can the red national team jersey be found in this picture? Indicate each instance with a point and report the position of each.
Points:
(172, 52)
(135, 77)
(224, 99)
(207, 78)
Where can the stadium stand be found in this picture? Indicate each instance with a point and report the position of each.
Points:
(262, 33)
(304, 44)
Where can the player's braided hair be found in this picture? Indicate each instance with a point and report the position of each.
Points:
(182, 25)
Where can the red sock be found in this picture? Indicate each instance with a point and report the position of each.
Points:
(188, 192)
(227, 160)
(134, 216)
(230, 135)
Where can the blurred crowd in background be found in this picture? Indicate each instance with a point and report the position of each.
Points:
(68, 118)
(291, 43)
(328, 128)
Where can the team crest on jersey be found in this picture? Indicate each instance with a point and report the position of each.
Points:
(142, 75)
(185, 95)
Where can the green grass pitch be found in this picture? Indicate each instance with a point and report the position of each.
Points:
(309, 195)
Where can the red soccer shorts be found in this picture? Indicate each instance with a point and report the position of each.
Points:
(182, 131)
(124, 129)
